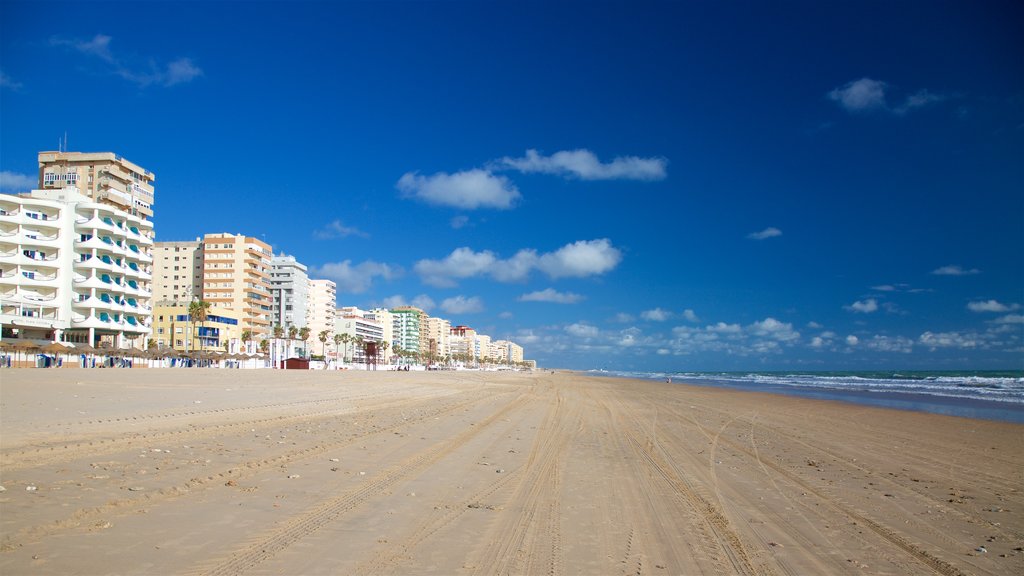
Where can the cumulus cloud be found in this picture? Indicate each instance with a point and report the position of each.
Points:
(656, 315)
(867, 95)
(765, 234)
(579, 259)
(338, 230)
(624, 318)
(690, 316)
(991, 306)
(582, 330)
(356, 279)
(955, 270)
(468, 190)
(462, 305)
(551, 295)
(863, 307)
(1011, 319)
(584, 164)
(140, 71)
(852, 340)
(882, 343)
(934, 340)
(12, 182)
(422, 302)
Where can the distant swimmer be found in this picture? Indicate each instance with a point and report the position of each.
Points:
(669, 380)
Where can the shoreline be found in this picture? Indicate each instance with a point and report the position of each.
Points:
(208, 471)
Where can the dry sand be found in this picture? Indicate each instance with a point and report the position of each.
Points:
(269, 472)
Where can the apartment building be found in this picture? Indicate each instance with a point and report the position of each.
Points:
(357, 326)
(506, 351)
(103, 177)
(438, 337)
(462, 342)
(383, 317)
(73, 269)
(409, 329)
(177, 272)
(289, 289)
(220, 332)
(323, 307)
(236, 275)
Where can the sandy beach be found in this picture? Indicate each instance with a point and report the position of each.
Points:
(271, 472)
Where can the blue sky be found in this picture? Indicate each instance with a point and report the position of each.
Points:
(622, 185)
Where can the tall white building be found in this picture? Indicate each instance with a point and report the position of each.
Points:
(350, 321)
(289, 287)
(74, 269)
(321, 309)
(177, 272)
(439, 337)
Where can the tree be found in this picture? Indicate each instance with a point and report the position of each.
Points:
(304, 336)
(264, 346)
(337, 342)
(246, 337)
(151, 343)
(359, 346)
(278, 331)
(323, 344)
(345, 339)
(383, 347)
(197, 312)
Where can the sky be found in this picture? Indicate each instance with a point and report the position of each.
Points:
(641, 186)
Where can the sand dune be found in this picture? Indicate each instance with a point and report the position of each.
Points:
(269, 472)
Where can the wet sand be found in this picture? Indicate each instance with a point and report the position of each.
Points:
(267, 472)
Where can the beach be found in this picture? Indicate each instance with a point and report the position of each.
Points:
(205, 471)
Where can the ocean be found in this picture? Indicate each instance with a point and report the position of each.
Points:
(988, 395)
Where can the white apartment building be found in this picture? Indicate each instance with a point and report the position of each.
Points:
(73, 269)
(289, 288)
(506, 351)
(357, 326)
(321, 310)
(408, 329)
(383, 317)
(177, 272)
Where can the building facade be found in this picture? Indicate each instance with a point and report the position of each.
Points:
(236, 275)
(409, 329)
(74, 270)
(103, 177)
(359, 329)
(177, 272)
(323, 307)
(439, 337)
(289, 289)
(220, 332)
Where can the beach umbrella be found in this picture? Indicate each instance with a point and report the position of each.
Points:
(26, 346)
(56, 348)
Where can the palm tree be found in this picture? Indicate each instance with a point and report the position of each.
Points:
(358, 340)
(383, 347)
(344, 339)
(246, 337)
(323, 344)
(197, 311)
(304, 336)
(292, 333)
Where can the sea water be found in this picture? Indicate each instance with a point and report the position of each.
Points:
(989, 395)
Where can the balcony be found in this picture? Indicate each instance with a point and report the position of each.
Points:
(95, 224)
(36, 278)
(36, 259)
(92, 282)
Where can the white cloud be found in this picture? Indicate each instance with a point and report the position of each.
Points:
(765, 234)
(656, 315)
(579, 259)
(8, 82)
(12, 182)
(991, 306)
(723, 328)
(690, 316)
(422, 302)
(852, 340)
(462, 305)
(338, 230)
(917, 100)
(891, 344)
(141, 71)
(460, 221)
(467, 190)
(1011, 319)
(772, 328)
(935, 340)
(624, 318)
(863, 307)
(955, 270)
(582, 330)
(585, 165)
(551, 295)
(358, 278)
(860, 95)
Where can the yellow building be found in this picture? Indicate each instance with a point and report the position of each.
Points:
(220, 332)
(236, 276)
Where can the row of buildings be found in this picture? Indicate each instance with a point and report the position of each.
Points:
(79, 264)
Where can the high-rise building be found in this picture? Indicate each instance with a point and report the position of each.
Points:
(409, 329)
(350, 321)
(289, 288)
(177, 272)
(463, 342)
(438, 337)
(383, 317)
(236, 275)
(103, 177)
(219, 332)
(322, 308)
(74, 270)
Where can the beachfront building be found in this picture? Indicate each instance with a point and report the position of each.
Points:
(236, 275)
(73, 269)
(320, 313)
(359, 329)
(220, 332)
(177, 272)
(103, 177)
(383, 317)
(409, 329)
(506, 352)
(289, 289)
(462, 342)
(438, 338)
